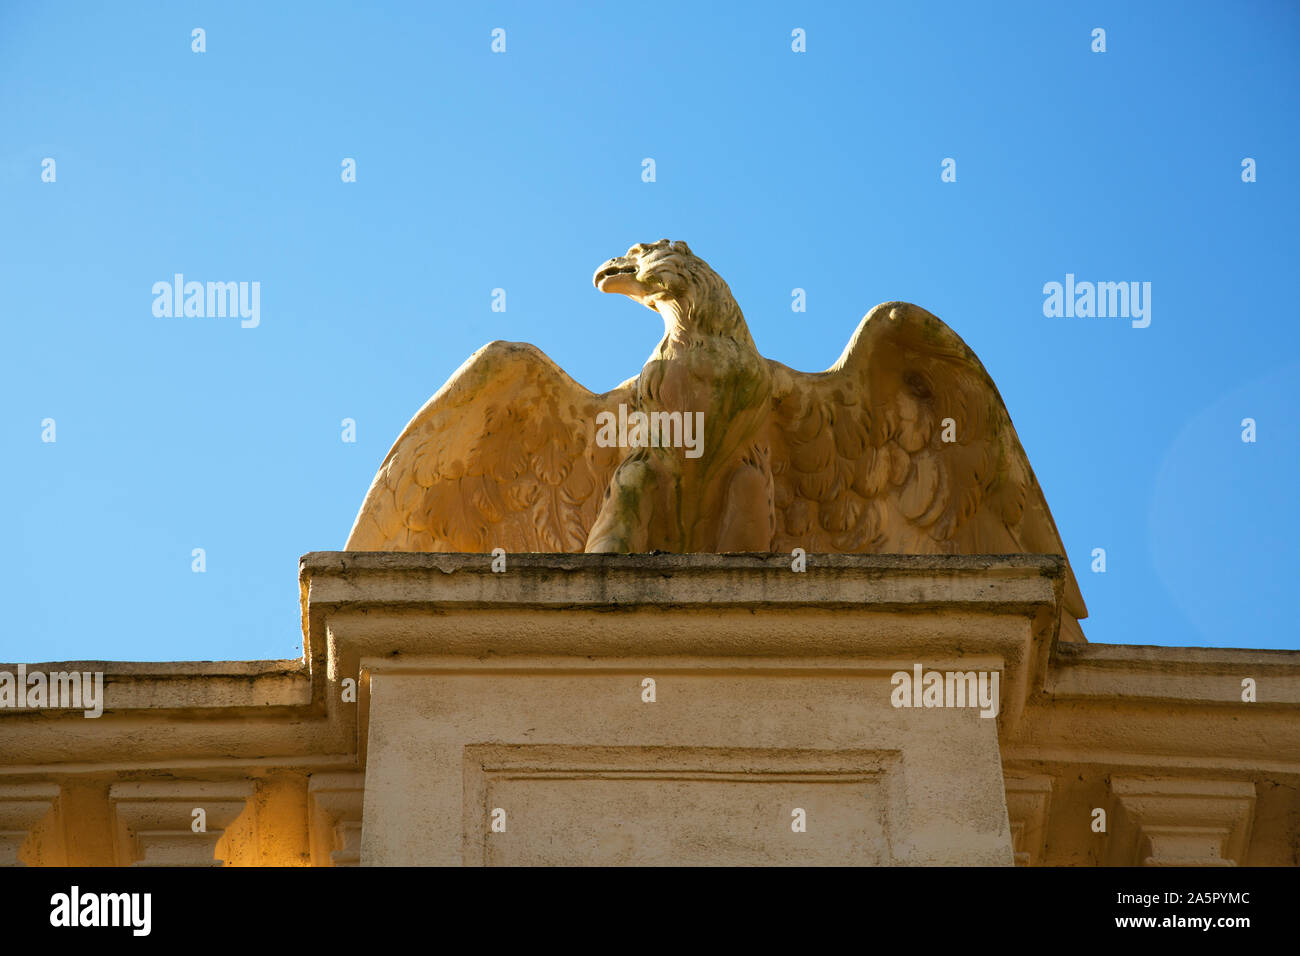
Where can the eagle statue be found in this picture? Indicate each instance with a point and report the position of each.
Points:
(903, 446)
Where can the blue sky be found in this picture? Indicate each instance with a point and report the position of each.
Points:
(522, 170)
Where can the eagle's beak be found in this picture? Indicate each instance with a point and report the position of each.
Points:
(618, 275)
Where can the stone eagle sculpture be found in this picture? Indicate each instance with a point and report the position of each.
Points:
(902, 446)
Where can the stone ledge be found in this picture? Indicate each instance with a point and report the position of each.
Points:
(228, 686)
(452, 561)
(916, 582)
(1204, 675)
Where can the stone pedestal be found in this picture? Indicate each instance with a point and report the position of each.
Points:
(585, 709)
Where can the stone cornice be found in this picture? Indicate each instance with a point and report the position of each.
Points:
(1202, 675)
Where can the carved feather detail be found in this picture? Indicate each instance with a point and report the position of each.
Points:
(878, 417)
(529, 478)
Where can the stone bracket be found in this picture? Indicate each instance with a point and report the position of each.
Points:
(336, 805)
(22, 806)
(1180, 822)
(159, 816)
(1029, 801)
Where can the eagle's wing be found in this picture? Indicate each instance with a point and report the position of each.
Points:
(503, 456)
(860, 463)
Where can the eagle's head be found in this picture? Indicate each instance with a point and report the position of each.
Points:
(669, 278)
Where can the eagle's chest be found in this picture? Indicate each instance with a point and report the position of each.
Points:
(722, 382)
(684, 382)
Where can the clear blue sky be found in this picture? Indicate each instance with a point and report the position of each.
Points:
(522, 170)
